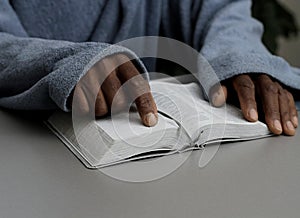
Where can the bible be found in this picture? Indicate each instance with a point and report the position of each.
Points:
(185, 121)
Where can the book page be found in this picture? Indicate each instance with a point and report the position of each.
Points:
(181, 103)
(185, 104)
(125, 126)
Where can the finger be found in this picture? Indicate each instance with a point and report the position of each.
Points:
(288, 127)
(94, 96)
(113, 92)
(101, 107)
(245, 89)
(80, 103)
(104, 73)
(94, 82)
(218, 95)
(293, 109)
(269, 94)
(146, 106)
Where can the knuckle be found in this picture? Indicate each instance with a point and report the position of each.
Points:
(119, 100)
(283, 94)
(144, 102)
(272, 112)
(284, 91)
(285, 115)
(111, 83)
(245, 83)
(278, 85)
(114, 87)
(290, 96)
(271, 88)
(104, 62)
(264, 79)
(140, 83)
(122, 57)
(280, 89)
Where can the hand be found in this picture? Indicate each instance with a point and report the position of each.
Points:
(116, 70)
(278, 104)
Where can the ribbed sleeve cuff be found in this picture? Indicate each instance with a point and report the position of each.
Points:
(226, 66)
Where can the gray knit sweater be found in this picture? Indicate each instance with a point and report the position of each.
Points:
(45, 44)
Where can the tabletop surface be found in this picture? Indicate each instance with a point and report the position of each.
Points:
(40, 177)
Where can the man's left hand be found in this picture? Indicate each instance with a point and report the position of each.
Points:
(278, 104)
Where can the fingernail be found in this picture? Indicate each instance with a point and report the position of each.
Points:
(253, 114)
(289, 125)
(277, 125)
(151, 119)
(295, 121)
(218, 99)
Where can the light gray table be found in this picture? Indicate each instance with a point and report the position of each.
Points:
(41, 178)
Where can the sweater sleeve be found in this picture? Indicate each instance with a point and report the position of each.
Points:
(228, 39)
(232, 45)
(40, 74)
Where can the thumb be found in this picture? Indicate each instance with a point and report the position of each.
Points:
(218, 95)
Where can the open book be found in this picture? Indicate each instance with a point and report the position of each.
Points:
(186, 121)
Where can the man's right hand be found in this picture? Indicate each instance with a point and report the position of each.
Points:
(116, 70)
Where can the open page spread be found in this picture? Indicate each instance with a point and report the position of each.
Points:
(186, 120)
